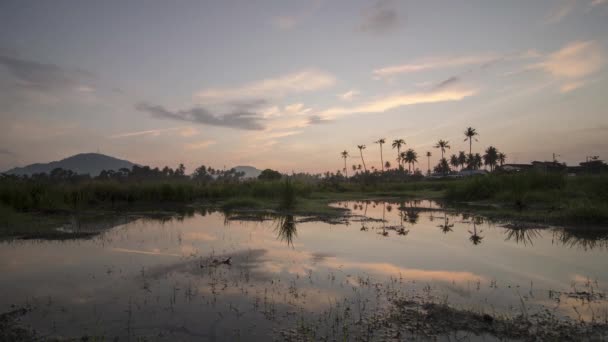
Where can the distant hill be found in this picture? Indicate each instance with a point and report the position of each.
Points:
(250, 171)
(84, 163)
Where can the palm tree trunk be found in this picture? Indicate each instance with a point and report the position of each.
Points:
(470, 145)
(345, 169)
(399, 155)
(363, 161)
(381, 160)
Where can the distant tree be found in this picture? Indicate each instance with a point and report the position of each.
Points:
(443, 167)
(501, 158)
(344, 155)
(470, 133)
(462, 159)
(442, 145)
(361, 148)
(180, 171)
(269, 175)
(381, 142)
(474, 161)
(490, 158)
(411, 157)
(397, 143)
(428, 157)
(387, 165)
(454, 161)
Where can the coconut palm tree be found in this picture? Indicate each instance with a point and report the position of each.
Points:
(470, 134)
(344, 155)
(502, 158)
(380, 142)
(442, 144)
(387, 165)
(428, 158)
(454, 161)
(411, 157)
(361, 148)
(490, 158)
(462, 159)
(397, 143)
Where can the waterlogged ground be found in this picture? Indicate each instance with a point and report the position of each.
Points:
(384, 272)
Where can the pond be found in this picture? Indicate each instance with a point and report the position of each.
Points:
(209, 275)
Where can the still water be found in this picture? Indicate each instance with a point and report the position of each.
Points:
(212, 276)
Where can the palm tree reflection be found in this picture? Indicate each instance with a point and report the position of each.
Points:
(286, 229)
(475, 238)
(522, 235)
(446, 227)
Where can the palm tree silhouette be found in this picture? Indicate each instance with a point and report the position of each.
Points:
(502, 158)
(462, 159)
(387, 165)
(470, 134)
(397, 143)
(454, 161)
(380, 142)
(475, 238)
(344, 155)
(361, 148)
(428, 157)
(446, 227)
(411, 157)
(442, 144)
(490, 158)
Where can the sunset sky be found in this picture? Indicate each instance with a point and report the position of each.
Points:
(290, 84)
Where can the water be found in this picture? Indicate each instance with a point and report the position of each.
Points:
(170, 278)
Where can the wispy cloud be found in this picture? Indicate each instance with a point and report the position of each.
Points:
(598, 2)
(200, 144)
(349, 95)
(434, 63)
(560, 11)
(294, 83)
(183, 131)
(381, 17)
(575, 60)
(573, 63)
(240, 119)
(46, 77)
(6, 152)
(391, 102)
(289, 21)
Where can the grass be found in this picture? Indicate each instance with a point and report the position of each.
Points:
(540, 196)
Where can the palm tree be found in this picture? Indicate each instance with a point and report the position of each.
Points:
(454, 161)
(361, 148)
(402, 158)
(387, 165)
(428, 157)
(397, 143)
(380, 142)
(470, 134)
(411, 157)
(442, 144)
(491, 157)
(462, 159)
(502, 158)
(345, 156)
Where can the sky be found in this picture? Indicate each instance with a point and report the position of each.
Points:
(288, 85)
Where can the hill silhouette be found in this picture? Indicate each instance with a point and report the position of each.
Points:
(83, 163)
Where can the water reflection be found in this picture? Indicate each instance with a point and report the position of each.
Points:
(166, 273)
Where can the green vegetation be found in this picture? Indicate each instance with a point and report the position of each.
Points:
(551, 197)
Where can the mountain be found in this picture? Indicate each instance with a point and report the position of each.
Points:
(91, 163)
(250, 171)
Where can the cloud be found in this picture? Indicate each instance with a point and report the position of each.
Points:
(381, 17)
(395, 101)
(559, 12)
(448, 82)
(200, 144)
(575, 60)
(317, 119)
(294, 83)
(240, 119)
(183, 131)
(349, 95)
(6, 152)
(567, 87)
(598, 2)
(434, 63)
(46, 77)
